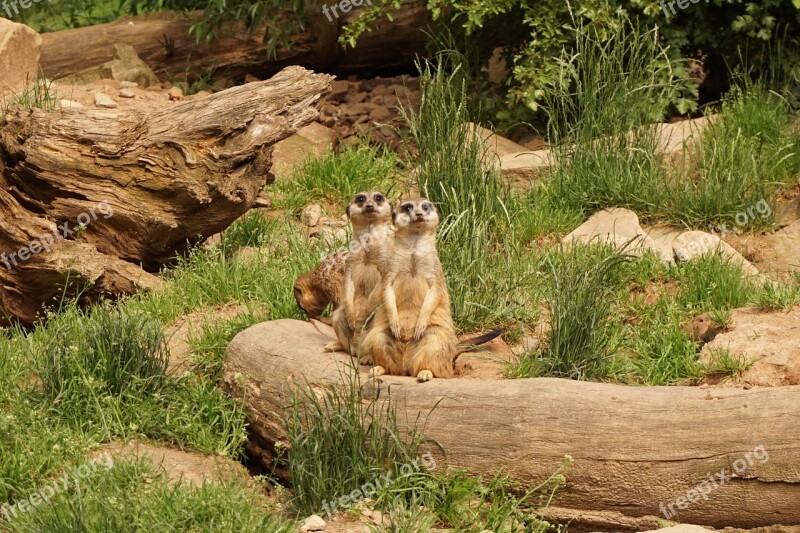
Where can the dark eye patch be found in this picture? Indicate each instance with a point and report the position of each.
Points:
(407, 207)
(426, 207)
(378, 198)
(360, 199)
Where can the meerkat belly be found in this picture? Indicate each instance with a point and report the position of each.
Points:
(410, 292)
(367, 277)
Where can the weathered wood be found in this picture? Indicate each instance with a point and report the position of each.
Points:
(169, 177)
(634, 448)
(163, 41)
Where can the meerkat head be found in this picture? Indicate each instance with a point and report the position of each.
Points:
(369, 208)
(308, 299)
(417, 215)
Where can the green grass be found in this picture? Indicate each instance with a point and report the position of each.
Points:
(745, 155)
(37, 93)
(419, 500)
(579, 296)
(488, 272)
(341, 439)
(135, 496)
(335, 177)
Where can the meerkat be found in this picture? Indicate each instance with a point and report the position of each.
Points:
(412, 332)
(323, 286)
(370, 215)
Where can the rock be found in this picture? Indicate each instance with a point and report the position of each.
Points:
(380, 90)
(680, 528)
(69, 104)
(182, 468)
(311, 215)
(125, 67)
(127, 93)
(781, 250)
(674, 137)
(691, 245)
(497, 68)
(380, 114)
(20, 48)
(355, 98)
(703, 328)
(128, 84)
(788, 213)
(770, 338)
(524, 167)
(331, 235)
(352, 110)
(103, 100)
(339, 88)
(175, 94)
(497, 144)
(313, 523)
(222, 84)
(620, 228)
(314, 139)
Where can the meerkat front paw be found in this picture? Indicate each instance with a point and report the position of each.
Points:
(419, 331)
(395, 329)
(377, 372)
(334, 346)
(424, 375)
(366, 360)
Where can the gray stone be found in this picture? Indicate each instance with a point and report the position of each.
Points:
(20, 47)
(69, 104)
(313, 523)
(619, 228)
(103, 100)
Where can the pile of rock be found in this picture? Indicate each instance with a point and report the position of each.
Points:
(370, 107)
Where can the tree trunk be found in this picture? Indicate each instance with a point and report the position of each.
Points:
(633, 448)
(163, 41)
(86, 195)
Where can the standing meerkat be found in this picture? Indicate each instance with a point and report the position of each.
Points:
(370, 215)
(412, 332)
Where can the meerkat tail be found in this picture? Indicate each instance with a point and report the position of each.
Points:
(471, 344)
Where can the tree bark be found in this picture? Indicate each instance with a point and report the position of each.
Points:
(168, 177)
(633, 448)
(163, 41)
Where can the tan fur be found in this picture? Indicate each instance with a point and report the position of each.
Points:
(412, 332)
(315, 290)
(370, 216)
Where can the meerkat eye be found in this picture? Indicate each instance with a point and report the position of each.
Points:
(360, 199)
(378, 198)
(426, 207)
(408, 208)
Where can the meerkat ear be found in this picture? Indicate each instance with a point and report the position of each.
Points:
(347, 211)
(394, 214)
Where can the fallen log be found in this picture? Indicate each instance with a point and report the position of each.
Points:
(163, 41)
(636, 450)
(88, 195)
